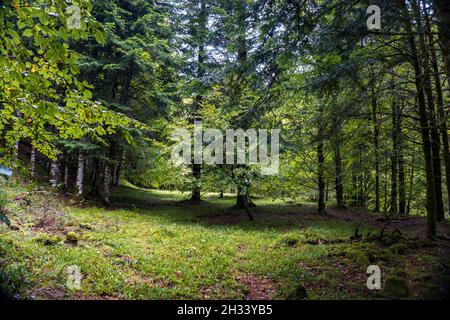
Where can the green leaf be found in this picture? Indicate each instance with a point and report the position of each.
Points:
(20, 24)
(28, 33)
(100, 36)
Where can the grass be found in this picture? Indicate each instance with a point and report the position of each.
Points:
(150, 246)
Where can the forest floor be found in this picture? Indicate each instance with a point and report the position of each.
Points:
(152, 245)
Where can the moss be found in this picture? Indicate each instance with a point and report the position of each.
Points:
(49, 240)
(72, 237)
(359, 257)
(398, 248)
(396, 287)
(86, 226)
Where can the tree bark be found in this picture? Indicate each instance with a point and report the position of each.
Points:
(80, 174)
(401, 165)
(66, 171)
(15, 171)
(385, 185)
(394, 159)
(338, 176)
(442, 114)
(240, 12)
(94, 185)
(320, 179)
(33, 163)
(201, 58)
(411, 179)
(425, 132)
(196, 190)
(106, 185)
(434, 134)
(120, 166)
(376, 135)
(243, 200)
(361, 194)
(54, 173)
(442, 12)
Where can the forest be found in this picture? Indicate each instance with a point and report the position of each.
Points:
(316, 158)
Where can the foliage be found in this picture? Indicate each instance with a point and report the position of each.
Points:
(42, 97)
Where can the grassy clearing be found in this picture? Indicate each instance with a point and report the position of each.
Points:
(151, 246)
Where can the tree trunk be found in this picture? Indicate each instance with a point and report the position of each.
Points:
(15, 170)
(320, 164)
(33, 163)
(338, 177)
(114, 174)
(442, 12)
(201, 59)
(425, 133)
(435, 143)
(106, 185)
(321, 178)
(240, 41)
(411, 179)
(196, 190)
(94, 185)
(241, 197)
(361, 179)
(120, 165)
(66, 171)
(80, 174)
(243, 201)
(16, 150)
(54, 173)
(127, 84)
(376, 135)
(394, 159)
(401, 165)
(100, 178)
(385, 186)
(442, 114)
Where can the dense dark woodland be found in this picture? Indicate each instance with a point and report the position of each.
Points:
(362, 112)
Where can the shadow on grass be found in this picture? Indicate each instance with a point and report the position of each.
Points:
(214, 212)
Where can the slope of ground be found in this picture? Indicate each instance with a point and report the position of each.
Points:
(152, 245)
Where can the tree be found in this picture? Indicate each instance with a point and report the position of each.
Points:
(37, 70)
